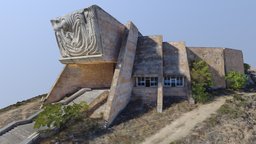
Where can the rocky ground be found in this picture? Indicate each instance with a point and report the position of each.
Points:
(235, 122)
(20, 110)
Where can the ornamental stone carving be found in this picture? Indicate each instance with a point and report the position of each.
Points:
(77, 34)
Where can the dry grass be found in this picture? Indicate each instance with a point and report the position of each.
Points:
(235, 122)
(135, 123)
(20, 110)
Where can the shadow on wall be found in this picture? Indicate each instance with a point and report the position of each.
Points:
(214, 57)
(176, 65)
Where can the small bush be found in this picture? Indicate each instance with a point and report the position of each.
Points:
(201, 80)
(246, 68)
(236, 80)
(58, 115)
(199, 93)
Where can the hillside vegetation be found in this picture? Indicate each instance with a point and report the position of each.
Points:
(235, 122)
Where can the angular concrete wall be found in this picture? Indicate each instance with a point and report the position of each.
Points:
(214, 57)
(148, 63)
(121, 87)
(108, 31)
(176, 64)
(148, 58)
(233, 60)
(111, 31)
(75, 76)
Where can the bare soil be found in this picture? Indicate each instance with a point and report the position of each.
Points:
(20, 110)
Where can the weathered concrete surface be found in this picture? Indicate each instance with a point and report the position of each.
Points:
(76, 76)
(96, 104)
(148, 58)
(233, 60)
(149, 63)
(176, 64)
(18, 134)
(89, 96)
(121, 87)
(89, 35)
(214, 57)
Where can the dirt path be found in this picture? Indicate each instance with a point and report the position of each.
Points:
(183, 125)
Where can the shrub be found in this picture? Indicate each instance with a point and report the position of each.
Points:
(58, 115)
(201, 80)
(199, 93)
(236, 80)
(246, 68)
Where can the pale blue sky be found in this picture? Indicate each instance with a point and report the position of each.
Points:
(30, 54)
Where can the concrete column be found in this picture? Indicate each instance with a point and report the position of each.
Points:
(160, 81)
(122, 83)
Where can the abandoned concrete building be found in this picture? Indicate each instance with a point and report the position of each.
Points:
(101, 53)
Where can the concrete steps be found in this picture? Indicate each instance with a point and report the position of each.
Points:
(23, 133)
(89, 96)
(18, 134)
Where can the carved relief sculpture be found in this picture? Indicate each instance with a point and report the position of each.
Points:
(76, 34)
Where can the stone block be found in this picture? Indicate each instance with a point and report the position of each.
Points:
(89, 35)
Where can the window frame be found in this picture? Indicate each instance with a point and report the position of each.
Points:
(141, 81)
(174, 81)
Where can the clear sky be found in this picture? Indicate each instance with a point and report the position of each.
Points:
(29, 59)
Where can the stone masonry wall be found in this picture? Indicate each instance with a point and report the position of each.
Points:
(75, 76)
(214, 57)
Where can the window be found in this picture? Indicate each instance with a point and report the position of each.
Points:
(179, 81)
(147, 81)
(167, 81)
(174, 81)
(140, 81)
(153, 81)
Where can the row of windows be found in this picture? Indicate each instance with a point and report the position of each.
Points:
(147, 81)
(173, 81)
(152, 81)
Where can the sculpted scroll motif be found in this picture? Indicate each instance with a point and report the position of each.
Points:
(76, 34)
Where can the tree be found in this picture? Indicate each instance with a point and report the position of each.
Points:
(57, 115)
(236, 80)
(201, 80)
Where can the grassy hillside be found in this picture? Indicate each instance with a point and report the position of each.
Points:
(20, 110)
(235, 122)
